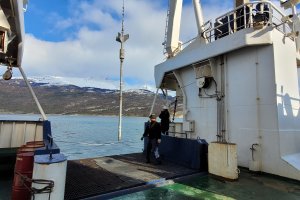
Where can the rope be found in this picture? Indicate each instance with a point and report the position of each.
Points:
(47, 189)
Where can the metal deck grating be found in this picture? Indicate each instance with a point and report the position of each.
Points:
(90, 177)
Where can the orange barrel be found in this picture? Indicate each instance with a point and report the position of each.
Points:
(20, 194)
(19, 182)
(24, 167)
(35, 143)
(24, 162)
(31, 146)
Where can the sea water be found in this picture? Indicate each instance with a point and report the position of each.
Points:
(80, 136)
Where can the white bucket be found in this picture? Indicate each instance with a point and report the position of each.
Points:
(50, 169)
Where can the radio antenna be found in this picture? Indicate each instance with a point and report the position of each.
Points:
(122, 39)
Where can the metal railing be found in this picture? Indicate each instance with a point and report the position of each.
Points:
(176, 129)
(255, 15)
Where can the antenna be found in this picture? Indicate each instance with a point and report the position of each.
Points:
(121, 38)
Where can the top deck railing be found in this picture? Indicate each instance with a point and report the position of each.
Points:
(255, 15)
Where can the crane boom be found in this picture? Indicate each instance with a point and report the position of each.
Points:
(173, 29)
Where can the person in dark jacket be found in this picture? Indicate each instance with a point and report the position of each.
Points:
(165, 120)
(153, 132)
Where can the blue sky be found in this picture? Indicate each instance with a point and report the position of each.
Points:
(76, 38)
(39, 18)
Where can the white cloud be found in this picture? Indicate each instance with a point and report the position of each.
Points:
(92, 51)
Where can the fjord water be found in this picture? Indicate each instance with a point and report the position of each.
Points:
(80, 136)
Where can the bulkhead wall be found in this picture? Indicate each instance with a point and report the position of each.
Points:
(249, 82)
(251, 102)
(261, 104)
(288, 107)
(201, 110)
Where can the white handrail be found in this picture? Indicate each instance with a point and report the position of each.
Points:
(210, 33)
(252, 3)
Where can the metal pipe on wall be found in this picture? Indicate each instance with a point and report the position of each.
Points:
(223, 109)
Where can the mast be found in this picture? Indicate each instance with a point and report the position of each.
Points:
(121, 38)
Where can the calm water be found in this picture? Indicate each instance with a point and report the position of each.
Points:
(92, 136)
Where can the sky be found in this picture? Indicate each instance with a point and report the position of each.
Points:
(76, 38)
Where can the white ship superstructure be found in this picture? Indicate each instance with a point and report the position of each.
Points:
(239, 83)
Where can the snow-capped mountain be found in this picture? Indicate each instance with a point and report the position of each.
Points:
(87, 83)
(60, 95)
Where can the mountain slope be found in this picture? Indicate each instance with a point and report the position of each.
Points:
(71, 99)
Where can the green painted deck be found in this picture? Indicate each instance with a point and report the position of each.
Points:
(248, 186)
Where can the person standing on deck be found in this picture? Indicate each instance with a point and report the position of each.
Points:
(165, 120)
(153, 132)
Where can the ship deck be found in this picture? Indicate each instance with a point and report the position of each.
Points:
(129, 177)
(103, 175)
